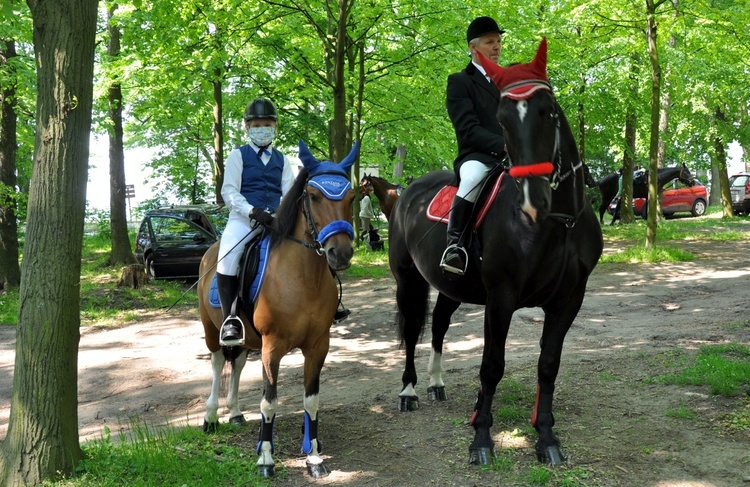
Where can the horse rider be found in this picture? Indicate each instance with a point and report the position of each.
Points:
(256, 177)
(472, 101)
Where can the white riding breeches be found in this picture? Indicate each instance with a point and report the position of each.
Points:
(238, 232)
(472, 173)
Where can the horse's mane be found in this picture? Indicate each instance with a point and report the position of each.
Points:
(286, 215)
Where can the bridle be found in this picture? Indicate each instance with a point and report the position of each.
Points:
(523, 90)
(335, 227)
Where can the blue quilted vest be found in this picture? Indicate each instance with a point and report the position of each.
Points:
(261, 183)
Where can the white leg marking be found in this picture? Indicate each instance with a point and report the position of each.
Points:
(311, 404)
(212, 404)
(522, 107)
(435, 369)
(408, 391)
(234, 386)
(269, 412)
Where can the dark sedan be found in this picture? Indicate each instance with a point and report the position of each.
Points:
(171, 241)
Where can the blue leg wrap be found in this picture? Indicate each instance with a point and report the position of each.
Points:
(266, 433)
(309, 433)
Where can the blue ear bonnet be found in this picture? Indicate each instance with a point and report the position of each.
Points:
(329, 178)
(334, 186)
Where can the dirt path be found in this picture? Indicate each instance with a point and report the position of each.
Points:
(636, 320)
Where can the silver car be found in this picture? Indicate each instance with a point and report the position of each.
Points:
(739, 186)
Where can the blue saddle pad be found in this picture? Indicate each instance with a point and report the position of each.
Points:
(213, 291)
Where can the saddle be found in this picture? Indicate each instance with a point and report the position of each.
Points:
(253, 265)
(439, 208)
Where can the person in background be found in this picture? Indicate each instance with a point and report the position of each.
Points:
(366, 213)
(472, 101)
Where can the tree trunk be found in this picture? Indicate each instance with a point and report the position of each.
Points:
(122, 252)
(218, 137)
(628, 160)
(10, 272)
(721, 164)
(338, 125)
(42, 438)
(653, 52)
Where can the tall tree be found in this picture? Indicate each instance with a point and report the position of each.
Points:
(42, 438)
(121, 252)
(10, 272)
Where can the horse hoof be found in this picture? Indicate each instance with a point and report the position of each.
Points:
(266, 471)
(239, 419)
(437, 394)
(317, 470)
(551, 455)
(408, 403)
(210, 427)
(481, 456)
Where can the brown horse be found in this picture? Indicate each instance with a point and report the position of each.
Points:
(296, 302)
(387, 193)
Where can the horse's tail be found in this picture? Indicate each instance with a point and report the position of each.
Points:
(413, 302)
(230, 355)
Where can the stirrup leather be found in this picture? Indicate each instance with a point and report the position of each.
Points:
(232, 343)
(449, 268)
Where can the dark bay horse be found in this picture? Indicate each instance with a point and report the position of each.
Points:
(386, 192)
(296, 302)
(536, 247)
(608, 184)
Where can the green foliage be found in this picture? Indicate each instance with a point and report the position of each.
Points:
(152, 455)
(640, 253)
(9, 307)
(723, 368)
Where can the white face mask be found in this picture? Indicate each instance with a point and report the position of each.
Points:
(262, 136)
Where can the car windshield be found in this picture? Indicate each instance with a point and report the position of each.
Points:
(171, 229)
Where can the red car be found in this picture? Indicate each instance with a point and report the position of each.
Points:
(693, 199)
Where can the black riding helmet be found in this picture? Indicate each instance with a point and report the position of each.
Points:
(260, 108)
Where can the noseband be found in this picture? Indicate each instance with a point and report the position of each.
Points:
(334, 187)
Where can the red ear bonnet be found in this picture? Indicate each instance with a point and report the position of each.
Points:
(519, 81)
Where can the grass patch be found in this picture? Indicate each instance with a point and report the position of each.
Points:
(723, 368)
(9, 307)
(153, 456)
(639, 253)
(368, 264)
(682, 412)
(739, 420)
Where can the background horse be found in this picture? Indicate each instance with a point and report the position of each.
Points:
(608, 184)
(296, 302)
(386, 192)
(536, 247)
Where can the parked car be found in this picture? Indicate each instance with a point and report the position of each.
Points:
(693, 199)
(739, 186)
(171, 240)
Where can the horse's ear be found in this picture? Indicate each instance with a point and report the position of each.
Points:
(494, 71)
(308, 160)
(540, 60)
(349, 159)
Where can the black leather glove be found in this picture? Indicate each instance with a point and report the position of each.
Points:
(261, 216)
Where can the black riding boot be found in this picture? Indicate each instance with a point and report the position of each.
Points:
(455, 257)
(232, 331)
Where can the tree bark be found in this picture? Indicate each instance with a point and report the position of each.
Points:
(218, 137)
(721, 163)
(10, 272)
(122, 252)
(653, 52)
(42, 438)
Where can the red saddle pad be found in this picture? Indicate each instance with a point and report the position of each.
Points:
(440, 206)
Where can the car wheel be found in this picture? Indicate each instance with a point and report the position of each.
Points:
(150, 271)
(699, 208)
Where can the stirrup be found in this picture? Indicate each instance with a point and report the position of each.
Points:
(449, 268)
(235, 342)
